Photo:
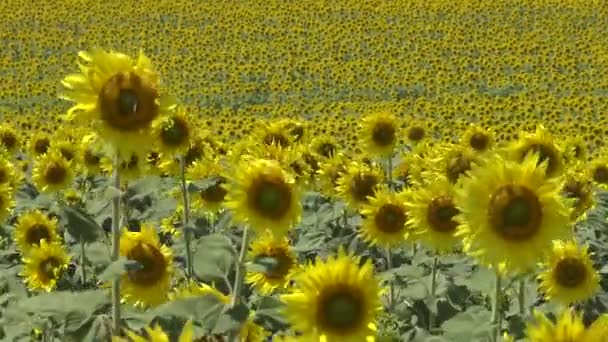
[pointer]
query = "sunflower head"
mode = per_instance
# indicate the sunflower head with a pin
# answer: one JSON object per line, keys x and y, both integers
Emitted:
{"x": 172, "y": 133}
{"x": 9, "y": 139}
{"x": 193, "y": 289}
{"x": 330, "y": 171}
{"x": 149, "y": 283}
{"x": 39, "y": 144}
{"x": 379, "y": 132}
{"x": 541, "y": 143}
{"x": 44, "y": 265}
{"x": 337, "y": 299}
{"x": 570, "y": 276}
{"x": 477, "y": 138}
{"x": 279, "y": 261}
{"x": 157, "y": 334}
{"x": 386, "y": 216}
{"x": 52, "y": 172}
{"x": 358, "y": 184}
{"x": 32, "y": 227}
{"x": 510, "y": 212}
{"x": 569, "y": 327}
{"x": 7, "y": 201}
{"x": 577, "y": 187}
{"x": 598, "y": 171}
{"x": 324, "y": 146}
{"x": 416, "y": 131}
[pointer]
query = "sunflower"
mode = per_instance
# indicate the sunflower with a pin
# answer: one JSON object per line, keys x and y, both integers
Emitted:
{"x": 416, "y": 131}
{"x": 358, "y": 183}
{"x": 131, "y": 168}
{"x": 273, "y": 133}
{"x": 598, "y": 171}
{"x": 252, "y": 332}
{"x": 38, "y": 144}
{"x": 118, "y": 96}
{"x": 172, "y": 133}
{"x": 379, "y": 133}
{"x": 324, "y": 146}
{"x": 157, "y": 334}
{"x": 575, "y": 149}
{"x": 510, "y": 212}
{"x": 8, "y": 176}
{"x": 477, "y": 138}
{"x": 542, "y": 143}
{"x": 570, "y": 276}
{"x": 197, "y": 150}
{"x": 568, "y": 328}
{"x": 432, "y": 215}
{"x": 68, "y": 149}
{"x": 52, "y": 172}
{"x": 335, "y": 300}
{"x": 408, "y": 169}
{"x": 385, "y": 218}
{"x": 32, "y": 227}
{"x": 7, "y": 202}
{"x": 44, "y": 265}
{"x": 193, "y": 289}
{"x": 330, "y": 171}
{"x": 91, "y": 154}
{"x": 9, "y": 139}
{"x": 149, "y": 284}
{"x": 277, "y": 255}
{"x": 263, "y": 195}
{"x": 298, "y": 130}
{"x": 578, "y": 188}
{"x": 210, "y": 199}
{"x": 451, "y": 161}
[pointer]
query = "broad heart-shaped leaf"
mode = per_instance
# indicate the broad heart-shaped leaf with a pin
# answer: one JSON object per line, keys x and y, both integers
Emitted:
{"x": 205, "y": 309}
{"x": 90, "y": 330}
{"x": 310, "y": 241}
{"x": 214, "y": 257}
{"x": 80, "y": 225}
{"x": 117, "y": 268}
{"x": 231, "y": 319}
{"x": 471, "y": 325}
{"x": 63, "y": 304}
{"x": 270, "y": 310}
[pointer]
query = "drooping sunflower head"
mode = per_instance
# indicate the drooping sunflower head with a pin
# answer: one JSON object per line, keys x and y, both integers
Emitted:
{"x": 324, "y": 146}
{"x": 433, "y": 212}
{"x": 569, "y": 276}
{"x": 32, "y": 227}
{"x": 386, "y": 218}
{"x": 44, "y": 265}
{"x": 454, "y": 162}
{"x": 265, "y": 196}
{"x": 477, "y": 138}
{"x": 7, "y": 201}
{"x": 575, "y": 149}
{"x": 569, "y": 327}
{"x": 298, "y": 130}
{"x": 510, "y": 212}
{"x": 118, "y": 95}
{"x": 52, "y": 172}
{"x": 273, "y": 133}
{"x": 578, "y": 188}
{"x": 277, "y": 263}
{"x": 380, "y": 133}
{"x": 358, "y": 184}
{"x": 210, "y": 199}
{"x": 335, "y": 300}
{"x": 172, "y": 133}
{"x": 147, "y": 284}
{"x": 541, "y": 143}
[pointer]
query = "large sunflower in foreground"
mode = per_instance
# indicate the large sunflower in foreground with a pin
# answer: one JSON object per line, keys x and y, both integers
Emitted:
{"x": 385, "y": 218}
{"x": 118, "y": 96}
{"x": 568, "y": 328}
{"x": 265, "y": 196}
{"x": 432, "y": 215}
{"x": 335, "y": 300}
{"x": 510, "y": 212}
{"x": 148, "y": 284}
{"x": 280, "y": 261}
{"x": 380, "y": 133}
{"x": 157, "y": 334}
{"x": 32, "y": 227}
{"x": 570, "y": 276}
{"x": 44, "y": 265}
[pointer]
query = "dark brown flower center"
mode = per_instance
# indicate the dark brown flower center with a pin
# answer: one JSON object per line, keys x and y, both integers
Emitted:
{"x": 326, "y": 149}
{"x": 415, "y": 133}
{"x": 277, "y": 139}
{"x": 49, "y": 269}
{"x": 390, "y": 218}
{"x": 600, "y": 174}
{"x": 384, "y": 134}
{"x": 457, "y": 167}
{"x": 340, "y": 309}
{"x": 128, "y": 102}
{"x": 41, "y": 145}
{"x": 545, "y": 153}
{"x": 152, "y": 264}
{"x": 55, "y": 173}
{"x": 270, "y": 196}
{"x": 9, "y": 140}
{"x": 363, "y": 186}
{"x": 214, "y": 193}
{"x": 91, "y": 158}
{"x": 37, "y": 232}
{"x": 515, "y": 213}
{"x": 175, "y": 132}
{"x": 479, "y": 141}
{"x": 278, "y": 262}
{"x": 440, "y": 214}
{"x": 570, "y": 272}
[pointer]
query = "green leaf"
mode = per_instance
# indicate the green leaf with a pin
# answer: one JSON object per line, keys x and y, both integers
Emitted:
{"x": 263, "y": 264}
{"x": 64, "y": 303}
{"x": 206, "y": 309}
{"x": 117, "y": 268}
{"x": 80, "y": 225}
{"x": 471, "y": 325}
{"x": 92, "y": 329}
{"x": 270, "y": 310}
{"x": 231, "y": 319}
{"x": 310, "y": 241}
{"x": 214, "y": 256}
{"x": 111, "y": 192}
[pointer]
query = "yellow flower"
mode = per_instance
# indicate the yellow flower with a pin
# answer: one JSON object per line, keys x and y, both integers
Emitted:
{"x": 570, "y": 276}
{"x": 578, "y": 188}
{"x": 281, "y": 263}
{"x": 193, "y": 289}
{"x": 335, "y": 300}
{"x": 263, "y": 195}
{"x": 432, "y": 215}
{"x": 542, "y": 143}
{"x": 210, "y": 199}
{"x": 32, "y": 227}
{"x": 118, "y": 96}
{"x": 568, "y": 328}
{"x": 330, "y": 170}
{"x": 172, "y": 134}
{"x": 7, "y": 202}
{"x": 9, "y": 140}
{"x": 358, "y": 184}
{"x": 44, "y": 265}
{"x": 379, "y": 133}
{"x": 385, "y": 218}
{"x": 251, "y": 332}
{"x": 477, "y": 138}
{"x": 598, "y": 171}
{"x": 157, "y": 334}
{"x": 510, "y": 212}
{"x": 52, "y": 172}
{"x": 149, "y": 284}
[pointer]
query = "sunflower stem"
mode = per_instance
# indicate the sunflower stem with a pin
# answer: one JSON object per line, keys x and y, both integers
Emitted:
{"x": 238, "y": 278}
{"x": 186, "y": 218}
{"x": 497, "y": 307}
{"x": 521, "y": 296}
{"x": 116, "y": 246}
{"x": 432, "y": 294}
{"x": 83, "y": 260}
{"x": 389, "y": 171}
{"x": 391, "y": 289}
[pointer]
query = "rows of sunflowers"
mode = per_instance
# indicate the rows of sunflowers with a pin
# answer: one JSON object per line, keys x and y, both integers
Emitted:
{"x": 366, "y": 170}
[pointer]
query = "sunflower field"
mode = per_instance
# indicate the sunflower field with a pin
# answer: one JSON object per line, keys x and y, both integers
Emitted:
{"x": 312, "y": 170}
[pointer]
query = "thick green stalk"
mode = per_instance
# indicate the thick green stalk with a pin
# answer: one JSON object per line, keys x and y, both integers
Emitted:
{"x": 497, "y": 307}
{"x": 433, "y": 291}
{"x": 239, "y": 278}
{"x": 83, "y": 261}
{"x": 521, "y": 296}
{"x": 116, "y": 246}
{"x": 391, "y": 288}
{"x": 186, "y": 218}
